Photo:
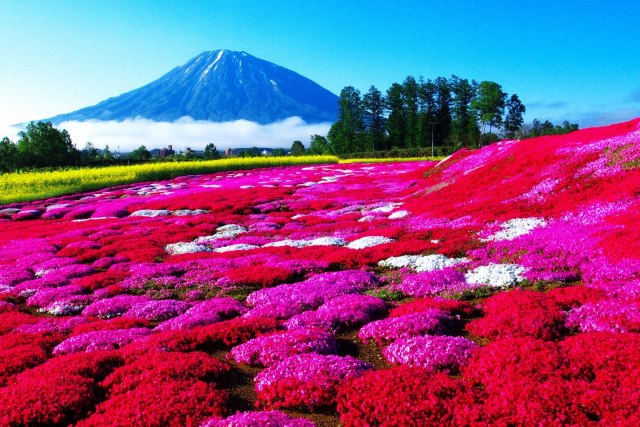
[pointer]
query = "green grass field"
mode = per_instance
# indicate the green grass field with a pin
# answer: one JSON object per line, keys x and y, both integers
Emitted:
{"x": 20, "y": 187}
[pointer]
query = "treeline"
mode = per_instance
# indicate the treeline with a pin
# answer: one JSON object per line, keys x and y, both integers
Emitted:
{"x": 444, "y": 113}
{"x": 42, "y": 145}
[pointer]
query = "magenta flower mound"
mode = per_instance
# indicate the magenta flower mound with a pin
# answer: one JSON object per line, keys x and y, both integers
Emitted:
{"x": 309, "y": 379}
{"x": 431, "y": 321}
{"x": 269, "y": 349}
{"x": 605, "y": 316}
{"x": 285, "y": 301}
{"x": 258, "y": 419}
{"x": 340, "y": 313}
{"x": 205, "y": 313}
{"x": 112, "y": 307}
{"x": 157, "y": 311}
{"x": 437, "y": 282}
{"x": 100, "y": 340}
{"x": 435, "y": 353}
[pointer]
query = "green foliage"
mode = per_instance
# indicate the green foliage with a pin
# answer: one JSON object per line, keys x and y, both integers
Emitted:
{"x": 140, "y": 154}
{"x": 397, "y": 118}
{"x": 538, "y": 128}
{"x": 279, "y": 152}
{"x": 347, "y": 133}
{"x": 89, "y": 154}
{"x": 374, "y": 105}
{"x": 297, "y": 148}
{"x": 211, "y": 152}
{"x": 8, "y": 155}
{"x": 490, "y": 103}
{"x": 513, "y": 121}
{"x": 318, "y": 145}
{"x": 42, "y": 145}
{"x": 386, "y": 294}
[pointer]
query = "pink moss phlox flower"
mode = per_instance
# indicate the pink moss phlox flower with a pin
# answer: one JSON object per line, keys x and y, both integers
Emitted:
{"x": 285, "y": 301}
{"x": 205, "y": 313}
{"x": 343, "y": 312}
{"x": 112, "y": 307}
{"x": 430, "y": 321}
{"x": 609, "y": 315}
{"x": 435, "y": 353}
{"x": 156, "y": 311}
{"x": 447, "y": 281}
{"x": 269, "y": 349}
{"x": 258, "y": 419}
{"x": 100, "y": 340}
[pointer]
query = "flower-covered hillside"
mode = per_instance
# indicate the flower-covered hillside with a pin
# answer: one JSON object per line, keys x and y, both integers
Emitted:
{"x": 499, "y": 286}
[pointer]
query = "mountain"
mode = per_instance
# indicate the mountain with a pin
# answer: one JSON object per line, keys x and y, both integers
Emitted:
{"x": 219, "y": 86}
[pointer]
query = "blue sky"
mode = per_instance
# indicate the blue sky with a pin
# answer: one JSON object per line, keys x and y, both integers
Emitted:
{"x": 577, "y": 60}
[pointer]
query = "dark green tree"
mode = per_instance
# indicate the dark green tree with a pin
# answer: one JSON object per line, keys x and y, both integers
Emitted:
{"x": 396, "y": 122}
{"x": 42, "y": 145}
{"x": 374, "y": 106}
{"x": 140, "y": 154}
{"x": 297, "y": 148}
{"x": 318, "y": 145}
{"x": 426, "y": 112}
{"x": 89, "y": 154}
{"x": 346, "y": 135}
{"x": 211, "y": 152}
{"x": 569, "y": 127}
{"x": 252, "y": 152}
{"x": 8, "y": 155}
{"x": 107, "y": 156}
{"x": 513, "y": 121}
{"x": 490, "y": 103}
{"x": 443, "y": 101}
{"x": 279, "y": 152}
{"x": 463, "y": 125}
{"x": 410, "y": 106}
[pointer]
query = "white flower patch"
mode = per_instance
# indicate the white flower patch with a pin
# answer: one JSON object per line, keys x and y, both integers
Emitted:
{"x": 369, "y": 241}
{"x": 58, "y": 206}
{"x": 236, "y": 247}
{"x": 288, "y": 242}
{"x": 189, "y": 212}
{"x": 327, "y": 241}
{"x": 228, "y": 231}
{"x": 386, "y": 208}
{"x": 307, "y": 184}
{"x": 399, "y": 214}
{"x": 181, "y": 248}
{"x": 40, "y": 273}
{"x": 496, "y": 275}
{"x": 59, "y": 308}
{"x": 515, "y": 228}
{"x": 151, "y": 212}
{"x": 421, "y": 263}
{"x": 368, "y": 218}
{"x": 399, "y": 261}
{"x": 320, "y": 241}
{"x": 435, "y": 262}
{"x": 244, "y": 187}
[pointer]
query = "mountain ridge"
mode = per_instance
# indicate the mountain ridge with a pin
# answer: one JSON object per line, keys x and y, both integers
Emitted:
{"x": 219, "y": 86}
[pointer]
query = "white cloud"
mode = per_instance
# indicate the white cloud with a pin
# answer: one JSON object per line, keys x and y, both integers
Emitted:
{"x": 9, "y": 131}
{"x": 187, "y": 132}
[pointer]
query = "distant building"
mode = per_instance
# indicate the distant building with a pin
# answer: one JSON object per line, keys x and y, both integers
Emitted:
{"x": 166, "y": 152}
{"x": 229, "y": 152}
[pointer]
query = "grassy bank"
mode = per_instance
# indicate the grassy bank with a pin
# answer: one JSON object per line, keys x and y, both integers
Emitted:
{"x": 20, "y": 187}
